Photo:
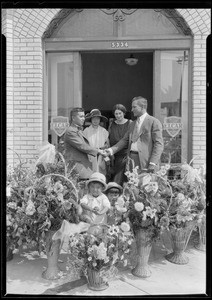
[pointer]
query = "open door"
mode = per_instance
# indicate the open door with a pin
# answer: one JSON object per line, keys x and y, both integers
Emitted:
{"x": 108, "y": 80}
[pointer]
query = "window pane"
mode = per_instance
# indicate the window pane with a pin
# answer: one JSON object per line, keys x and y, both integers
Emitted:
{"x": 61, "y": 91}
{"x": 173, "y": 104}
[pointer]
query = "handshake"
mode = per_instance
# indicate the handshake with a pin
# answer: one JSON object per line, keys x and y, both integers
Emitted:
{"x": 104, "y": 152}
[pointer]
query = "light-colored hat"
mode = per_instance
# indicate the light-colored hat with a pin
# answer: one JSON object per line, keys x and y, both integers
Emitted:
{"x": 112, "y": 185}
{"x": 95, "y": 113}
{"x": 98, "y": 177}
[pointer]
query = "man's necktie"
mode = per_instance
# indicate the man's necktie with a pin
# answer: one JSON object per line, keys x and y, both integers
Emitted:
{"x": 136, "y": 131}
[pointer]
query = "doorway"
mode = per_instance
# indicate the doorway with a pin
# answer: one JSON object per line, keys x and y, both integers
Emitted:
{"x": 107, "y": 80}
{"x": 103, "y": 79}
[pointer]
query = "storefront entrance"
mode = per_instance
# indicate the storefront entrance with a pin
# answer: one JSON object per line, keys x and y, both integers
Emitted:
{"x": 85, "y": 67}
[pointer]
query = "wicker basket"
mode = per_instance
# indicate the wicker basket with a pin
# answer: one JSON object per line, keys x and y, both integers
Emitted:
{"x": 95, "y": 281}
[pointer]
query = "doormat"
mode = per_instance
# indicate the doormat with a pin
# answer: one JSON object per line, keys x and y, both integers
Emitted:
{"x": 66, "y": 287}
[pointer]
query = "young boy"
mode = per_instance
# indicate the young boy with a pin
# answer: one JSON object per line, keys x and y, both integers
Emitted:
{"x": 95, "y": 204}
{"x": 113, "y": 191}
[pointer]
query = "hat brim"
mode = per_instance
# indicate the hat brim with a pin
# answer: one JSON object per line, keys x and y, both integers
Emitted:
{"x": 118, "y": 187}
{"x": 96, "y": 180}
{"x": 101, "y": 117}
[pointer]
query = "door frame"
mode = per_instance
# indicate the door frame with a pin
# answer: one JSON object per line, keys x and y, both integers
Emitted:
{"x": 117, "y": 44}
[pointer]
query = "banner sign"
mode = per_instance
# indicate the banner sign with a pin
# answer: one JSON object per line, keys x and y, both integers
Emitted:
{"x": 173, "y": 125}
{"x": 59, "y": 124}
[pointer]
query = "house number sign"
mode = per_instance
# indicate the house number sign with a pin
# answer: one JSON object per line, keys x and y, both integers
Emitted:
{"x": 119, "y": 45}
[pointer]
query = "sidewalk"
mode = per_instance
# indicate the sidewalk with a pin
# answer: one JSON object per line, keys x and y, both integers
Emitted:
{"x": 24, "y": 276}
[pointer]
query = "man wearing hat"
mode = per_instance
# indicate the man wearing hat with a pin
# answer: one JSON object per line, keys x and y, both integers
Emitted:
{"x": 97, "y": 137}
{"x": 77, "y": 146}
{"x": 95, "y": 204}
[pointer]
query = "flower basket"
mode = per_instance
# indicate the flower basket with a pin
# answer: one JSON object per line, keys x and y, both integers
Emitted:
{"x": 19, "y": 178}
{"x": 41, "y": 196}
{"x": 95, "y": 281}
{"x": 180, "y": 238}
{"x": 202, "y": 235}
{"x": 144, "y": 246}
{"x": 147, "y": 207}
{"x": 98, "y": 252}
{"x": 53, "y": 247}
{"x": 186, "y": 209}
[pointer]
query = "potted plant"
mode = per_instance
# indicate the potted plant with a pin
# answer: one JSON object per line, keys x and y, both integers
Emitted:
{"x": 97, "y": 254}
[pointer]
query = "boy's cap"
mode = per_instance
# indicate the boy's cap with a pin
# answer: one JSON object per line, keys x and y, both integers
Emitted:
{"x": 113, "y": 185}
{"x": 98, "y": 177}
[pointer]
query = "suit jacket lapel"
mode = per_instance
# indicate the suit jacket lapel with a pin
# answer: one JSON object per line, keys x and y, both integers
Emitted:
{"x": 141, "y": 129}
{"x": 132, "y": 129}
{"x": 143, "y": 124}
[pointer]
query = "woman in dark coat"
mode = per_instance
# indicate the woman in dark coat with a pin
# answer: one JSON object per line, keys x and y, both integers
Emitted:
{"x": 117, "y": 129}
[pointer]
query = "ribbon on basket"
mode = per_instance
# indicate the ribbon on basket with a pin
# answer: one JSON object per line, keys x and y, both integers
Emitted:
{"x": 46, "y": 153}
{"x": 67, "y": 229}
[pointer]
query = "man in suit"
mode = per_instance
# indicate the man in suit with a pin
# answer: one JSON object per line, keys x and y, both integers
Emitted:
{"x": 77, "y": 146}
{"x": 144, "y": 138}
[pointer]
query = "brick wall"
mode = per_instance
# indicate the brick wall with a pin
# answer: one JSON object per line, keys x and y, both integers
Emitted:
{"x": 25, "y": 63}
{"x": 24, "y": 29}
{"x": 7, "y": 30}
{"x": 199, "y": 98}
{"x": 199, "y": 20}
{"x": 28, "y": 100}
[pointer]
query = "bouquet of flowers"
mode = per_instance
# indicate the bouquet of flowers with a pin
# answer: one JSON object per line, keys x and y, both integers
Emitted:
{"x": 18, "y": 180}
{"x": 188, "y": 196}
{"x": 185, "y": 210}
{"x": 100, "y": 252}
{"x": 145, "y": 201}
{"x": 38, "y": 200}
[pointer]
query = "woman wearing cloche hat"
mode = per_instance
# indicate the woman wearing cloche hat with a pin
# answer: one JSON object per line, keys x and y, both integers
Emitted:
{"x": 95, "y": 204}
{"x": 97, "y": 137}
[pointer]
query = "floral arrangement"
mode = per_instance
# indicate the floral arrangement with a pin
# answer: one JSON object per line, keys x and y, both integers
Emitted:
{"x": 188, "y": 196}
{"x": 146, "y": 206}
{"x": 18, "y": 179}
{"x": 155, "y": 201}
{"x": 102, "y": 251}
{"x": 39, "y": 198}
